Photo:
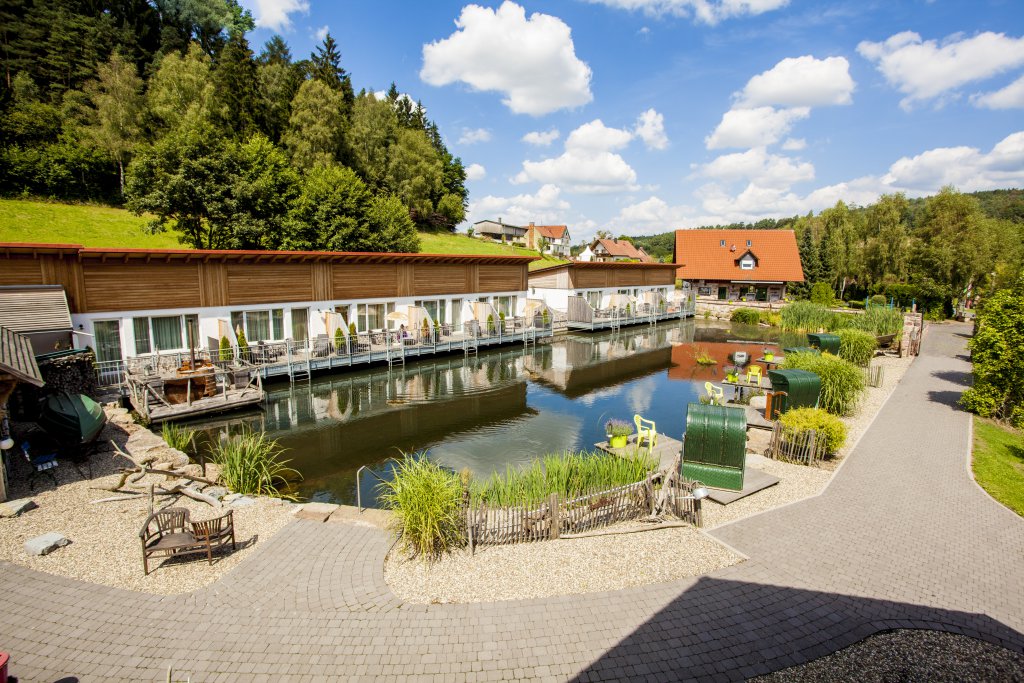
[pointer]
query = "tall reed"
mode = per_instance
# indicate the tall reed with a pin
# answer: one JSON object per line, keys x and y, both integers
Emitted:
{"x": 857, "y": 346}
{"x": 804, "y": 316}
{"x": 426, "y": 501}
{"x": 251, "y": 463}
{"x": 842, "y": 382}
{"x": 178, "y": 437}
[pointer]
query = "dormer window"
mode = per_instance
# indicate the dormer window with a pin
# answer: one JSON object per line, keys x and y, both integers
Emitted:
{"x": 747, "y": 262}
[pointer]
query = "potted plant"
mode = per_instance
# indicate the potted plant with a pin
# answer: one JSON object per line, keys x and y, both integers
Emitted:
{"x": 243, "y": 345}
{"x": 769, "y": 355}
{"x": 339, "y": 339}
{"x": 425, "y": 330}
{"x": 490, "y": 323}
{"x": 618, "y": 432}
{"x": 225, "y": 348}
{"x": 501, "y": 317}
{"x": 544, "y": 317}
{"x": 351, "y": 329}
{"x": 732, "y": 374}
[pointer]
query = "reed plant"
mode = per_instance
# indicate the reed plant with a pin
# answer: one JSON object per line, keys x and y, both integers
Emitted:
{"x": 178, "y": 437}
{"x": 702, "y": 357}
{"x": 805, "y": 316}
{"x": 568, "y": 474}
{"x": 746, "y": 316}
{"x": 880, "y": 321}
{"x": 426, "y": 501}
{"x": 250, "y": 463}
{"x": 857, "y": 346}
{"x": 842, "y": 382}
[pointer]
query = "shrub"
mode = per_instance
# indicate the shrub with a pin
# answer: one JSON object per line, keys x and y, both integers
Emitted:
{"x": 747, "y": 316}
{"x": 841, "y": 381}
{"x": 251, "y": 463}
{"x": 855, "y": 304}
{"x": 567, "y": 474}
{"x": 545, "y": 318}
{"x": 829, "y": 427}
{"x": 771, "y": 318}
{"x": 618, "y": 428}
{"x": 998, "y": 389}
{"x": 426, "y": 501}
{"x": 339, "y": 339}
{"x": 243, "y": 344}
{"x": 225, "y": 348}
{"x": 805, "y": 316}
{"x": 878, "y": 300}
{"x": 180, "y": 438}
{"x": 857, "y": 346}
{"x": 822, "y": 294}
{"x": 490, "y": 322}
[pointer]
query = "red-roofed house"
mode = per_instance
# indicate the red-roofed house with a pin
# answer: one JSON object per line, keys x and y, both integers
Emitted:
{"x": 738, "y": 265}
{"x": 556, "y": 239}
{"x": 614, "y": 250}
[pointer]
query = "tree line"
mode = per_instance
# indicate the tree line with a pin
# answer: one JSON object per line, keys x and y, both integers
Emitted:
{"x": 935, "y": 251}
{"x": 163, "y": 106}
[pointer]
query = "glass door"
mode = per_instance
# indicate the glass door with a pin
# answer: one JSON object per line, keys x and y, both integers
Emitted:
{"x": 108, "y": 340}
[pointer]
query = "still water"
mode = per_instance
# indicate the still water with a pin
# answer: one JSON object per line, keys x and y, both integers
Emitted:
{"x": 503, "y": 407}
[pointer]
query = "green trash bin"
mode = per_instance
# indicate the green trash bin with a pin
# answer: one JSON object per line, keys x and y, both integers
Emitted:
{"x": 715, "y": 445}
{"x": 825, "y": 342}
{"x": 801, "y": 386}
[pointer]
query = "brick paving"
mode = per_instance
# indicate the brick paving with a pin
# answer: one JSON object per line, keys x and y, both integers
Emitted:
{"x": 901, "y": 539}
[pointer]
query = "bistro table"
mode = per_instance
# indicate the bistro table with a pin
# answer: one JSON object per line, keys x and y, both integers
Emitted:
{"x": 779, "y": 360}
{"x": 742, "y": 384}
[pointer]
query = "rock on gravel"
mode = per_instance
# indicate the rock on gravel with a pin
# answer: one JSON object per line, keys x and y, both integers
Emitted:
{"x": 45, "y": 544}
{"x": 910, "y": 655}
{"x": 13, "y": 508}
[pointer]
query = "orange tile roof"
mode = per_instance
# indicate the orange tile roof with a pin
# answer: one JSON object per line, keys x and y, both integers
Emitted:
{"x": 624, "y": 249}
{"x": 701, "y": 256}
{"x": 551, "y": 232}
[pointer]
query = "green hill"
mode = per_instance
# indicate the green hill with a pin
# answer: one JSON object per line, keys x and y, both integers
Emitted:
{"x": 23, "y": 220}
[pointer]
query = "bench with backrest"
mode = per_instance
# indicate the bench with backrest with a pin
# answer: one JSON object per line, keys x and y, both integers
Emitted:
{"x": 169, "y": 532}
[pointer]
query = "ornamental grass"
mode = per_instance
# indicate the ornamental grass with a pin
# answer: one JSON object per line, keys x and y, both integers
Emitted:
{"x": 250, "y": 463}
{"x": 857, "y": 346}
{"x": 426, "y": 500}
{"x": 842, "y": 382}
{"x": 797, "y": 422}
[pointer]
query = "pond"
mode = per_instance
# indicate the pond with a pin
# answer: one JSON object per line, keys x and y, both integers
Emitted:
{"x": 503, "y": 407}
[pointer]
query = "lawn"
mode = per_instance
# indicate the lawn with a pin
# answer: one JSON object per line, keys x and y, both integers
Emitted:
{"x": 23, "y": 220}
{"x": 91, "y": 226}
{"x": 999, "y": 463}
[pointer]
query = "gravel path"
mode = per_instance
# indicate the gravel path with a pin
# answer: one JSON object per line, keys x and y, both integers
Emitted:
{"x": 909, "y": 655}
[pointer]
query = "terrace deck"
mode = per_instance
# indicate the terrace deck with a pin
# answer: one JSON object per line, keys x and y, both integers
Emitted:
{"x": 615, "y": 323}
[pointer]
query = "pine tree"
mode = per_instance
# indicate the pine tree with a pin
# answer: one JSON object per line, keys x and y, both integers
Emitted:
{"x": 235, "y": 83}
{"x": 327, "y": 68}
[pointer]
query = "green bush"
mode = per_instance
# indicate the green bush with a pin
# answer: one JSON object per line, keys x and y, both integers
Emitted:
{"x": 856, "y": 305}
{"x": 857, "y": 346}
{"x": 822, "y": 294}
{"x": 841, "y": 381}
{"x": 771, "y": 318}
{"x": 568, "y": 474}
{"x": 339, "y": 338}
{"x": 829, "y": 427}
{"x": 351, "y": 329}
{"x": 998, "y": 389}
{"x": 747, "y": 316}
{"x": 251, "y": 463}
{"x": 243, "y": 345}
{"x": 225, "y": 349}
{"x": 490, "y": 322}
{"x": 878, "y": 300}
{"x": 180, "y": 438}
{"x": 426, "y": 501}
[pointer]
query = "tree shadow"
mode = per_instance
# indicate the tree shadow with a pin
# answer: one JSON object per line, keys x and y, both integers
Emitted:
{"x": 949, "y": 398}
{"x": 733, "y": 630}
{"x": 965, "y": 357}
{"x": 955, "y": 376}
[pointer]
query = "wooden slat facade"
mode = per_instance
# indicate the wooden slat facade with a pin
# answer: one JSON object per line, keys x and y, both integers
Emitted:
{"x": 98, "y": 281}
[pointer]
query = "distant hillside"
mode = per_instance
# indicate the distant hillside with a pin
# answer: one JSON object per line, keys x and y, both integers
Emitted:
{"x": 41, "y": 222}
{"x": 1007, "y": 204}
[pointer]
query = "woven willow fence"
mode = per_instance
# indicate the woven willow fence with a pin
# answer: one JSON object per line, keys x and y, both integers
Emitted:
{"x": 803, "y": 447}
{"x": 556, "y": 517}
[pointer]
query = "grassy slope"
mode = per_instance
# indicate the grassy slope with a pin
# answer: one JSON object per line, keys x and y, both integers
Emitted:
{"x": 98, "y": 226}
{"x": 999, "y": 463}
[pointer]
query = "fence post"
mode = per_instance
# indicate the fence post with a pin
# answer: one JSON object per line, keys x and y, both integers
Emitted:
{"x": 469, "y": 528}
{"x": 555, "y": 513}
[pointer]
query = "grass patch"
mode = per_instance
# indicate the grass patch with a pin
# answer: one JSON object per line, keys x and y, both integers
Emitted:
{"x": 426, "y": 500}
{"x": 180, "y": 438}
{"x": 568, "y": 474}
{"x": 23, "y": 220}
{"x": 998, "y": 463}
{"x": 806, "y": 316}
{"x": 448, "y": 243}
{"x": 250, "y": 463}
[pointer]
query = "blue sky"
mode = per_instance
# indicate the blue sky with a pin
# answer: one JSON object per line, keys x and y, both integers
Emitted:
{"x": 642, "y": 116}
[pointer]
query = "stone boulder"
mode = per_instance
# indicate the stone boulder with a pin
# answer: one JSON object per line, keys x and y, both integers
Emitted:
{"x": 45, "y": 544}
{"x": 13, "y": 508}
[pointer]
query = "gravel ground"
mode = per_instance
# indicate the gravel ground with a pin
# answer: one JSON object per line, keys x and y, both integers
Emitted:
{"x": 909, "y": 655}
{"x": 104, "y": 537}
{"x": 562, "y": 567}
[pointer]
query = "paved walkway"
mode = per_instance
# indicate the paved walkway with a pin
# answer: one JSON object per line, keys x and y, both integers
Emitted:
{"x": 902, "y": 538}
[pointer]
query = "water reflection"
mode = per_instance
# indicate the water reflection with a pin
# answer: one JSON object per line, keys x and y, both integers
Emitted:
{"x": 484, "y": 413}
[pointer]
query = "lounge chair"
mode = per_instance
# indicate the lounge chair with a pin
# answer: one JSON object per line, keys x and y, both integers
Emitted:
{"x": 647, "y": 431}
{"x": 715, "y": 393}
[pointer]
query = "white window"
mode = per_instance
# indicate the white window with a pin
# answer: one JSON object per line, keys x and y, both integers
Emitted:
{"x": 165, "y": 333}
{"x": 437, "y": 309}
{"x": 747, "y": 263}
{"x": 505, "y": 304}
{"x": 265, "y": 325}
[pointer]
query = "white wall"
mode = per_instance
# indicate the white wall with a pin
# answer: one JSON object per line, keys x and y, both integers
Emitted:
{"x": 559, "y": 298}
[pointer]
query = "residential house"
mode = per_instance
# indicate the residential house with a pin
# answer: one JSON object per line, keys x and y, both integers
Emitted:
{"x": 738, "y": 265}
{"x": 500, "y": 231}
{"x": 555, "y": 239}
{"x": 610, "y": 250}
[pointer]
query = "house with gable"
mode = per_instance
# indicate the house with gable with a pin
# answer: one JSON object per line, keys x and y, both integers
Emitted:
{"x": 555, "y": 239}
{"x": 611, "y": 250}
{"x": 738, "y": 265}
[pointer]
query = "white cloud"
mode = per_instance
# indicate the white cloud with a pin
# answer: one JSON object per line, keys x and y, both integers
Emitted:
{"x": 471, "y": 136}
{"x": 475, "y": 172}
{"x": 757, "y": 166}
{"x": 924, "y": 69}
{"x": 588, "y": 164}
{"x": 706, "y": 11}
{"x": 546, "y": 205}
{"x": 650, "y": 127}
{"x": 794, "y": 144}
{"x": 322, "y": 32}
{"x": 967, "y": 168}
{"x": 1010, "y": 97}
{"x": 531, "y": 61}
{"x": 276, "y": 14}
{"x": 756, "y": 127}
{"x": 541, "y": 139}
{"x": 801, "y": 82}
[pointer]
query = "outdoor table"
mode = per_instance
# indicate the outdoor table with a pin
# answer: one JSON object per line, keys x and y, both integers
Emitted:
{"x": 779, "y": 360}
{"x": 741, "y": 385}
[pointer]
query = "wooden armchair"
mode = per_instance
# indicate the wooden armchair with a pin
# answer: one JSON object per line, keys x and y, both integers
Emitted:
{"x": 169, "y": 532}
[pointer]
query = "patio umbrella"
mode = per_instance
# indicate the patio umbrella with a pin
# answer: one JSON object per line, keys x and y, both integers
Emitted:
{"x": 398, "y": 315}
{"x": 619, "y": 300}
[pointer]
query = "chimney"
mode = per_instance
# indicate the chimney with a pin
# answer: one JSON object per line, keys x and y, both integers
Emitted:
{"x": 499, "y": 221}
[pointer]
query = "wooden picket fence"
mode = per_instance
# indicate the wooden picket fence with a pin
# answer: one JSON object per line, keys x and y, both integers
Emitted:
{"x": 803, "y": 447}
{"x": 555, "y": 517}
{"x": 875, "y": 375}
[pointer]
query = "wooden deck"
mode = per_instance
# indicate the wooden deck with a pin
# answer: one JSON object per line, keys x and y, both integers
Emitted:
{"x": 665, "y": 450}
{"x": 206, "y": 406}
{"x": 616, "y": 323}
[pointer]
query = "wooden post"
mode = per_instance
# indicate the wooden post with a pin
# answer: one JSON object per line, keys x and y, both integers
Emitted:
{"x": 554, "y": 511}
{"x": 469, "y": 528}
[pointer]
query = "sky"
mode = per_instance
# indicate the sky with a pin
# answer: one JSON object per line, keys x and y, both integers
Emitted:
{"x": 644, "y": 116}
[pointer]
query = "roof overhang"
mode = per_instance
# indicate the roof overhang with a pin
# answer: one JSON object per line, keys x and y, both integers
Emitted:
{"x": 17, "y": 358}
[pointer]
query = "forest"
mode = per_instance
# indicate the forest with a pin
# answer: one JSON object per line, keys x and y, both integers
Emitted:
{"x": 934, "y": 251}
{"x": 163, "y": 107}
